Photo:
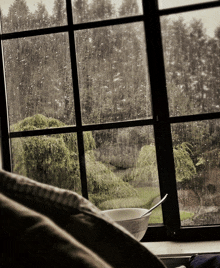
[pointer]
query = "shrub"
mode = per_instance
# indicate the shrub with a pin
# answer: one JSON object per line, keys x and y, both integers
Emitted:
{"x": 147, "y": 164}
{"x": 103, "y": 184}
{"x": 51, "y": 159}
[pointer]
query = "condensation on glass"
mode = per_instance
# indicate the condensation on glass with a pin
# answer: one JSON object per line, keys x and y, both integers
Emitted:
{"x": 197, "y": 163}
{"x": 38, "y": 80}
{"x": 24, "y": 15}
{"x": 50, "y": 159}
{"x": 121, "y": 169}
{"x": 178, "y": 3}
{"x": 191, "y": 43}
{"x": 87, "y": 11}
{"x": 113, "y": 74}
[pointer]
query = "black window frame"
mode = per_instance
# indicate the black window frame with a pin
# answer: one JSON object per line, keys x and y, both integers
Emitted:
{"x": 161, "y": 121}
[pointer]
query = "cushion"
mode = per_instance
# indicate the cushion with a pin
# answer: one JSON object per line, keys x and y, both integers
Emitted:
{"x": 29, "y": 239}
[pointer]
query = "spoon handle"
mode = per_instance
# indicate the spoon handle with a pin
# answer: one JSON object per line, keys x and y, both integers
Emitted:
{"x": 160, "y": 202}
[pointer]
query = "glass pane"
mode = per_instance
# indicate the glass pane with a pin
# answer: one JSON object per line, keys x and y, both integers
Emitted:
{"x": 177, "y": 3}
{"x": 113, "y": 74}
{"x": 122, "y": 170}
{"x": 48, "y": 159}
{"x": 197, "y": 161}
{"x": 38, "y": 79}
{"x": 192, "y": 61}
{"x": 85, "y": 11}
{"x": 20, "y": 15}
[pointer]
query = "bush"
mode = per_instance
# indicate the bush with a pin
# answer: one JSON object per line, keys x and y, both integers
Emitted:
{"x": 51, "y": 159}
{"x": 146, "y": 167}
{"x": 120, "y": 156}
{"x": 103, "y": 184}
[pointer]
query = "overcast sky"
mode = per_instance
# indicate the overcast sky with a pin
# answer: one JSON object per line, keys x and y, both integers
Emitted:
{"x": 210, "y": 17}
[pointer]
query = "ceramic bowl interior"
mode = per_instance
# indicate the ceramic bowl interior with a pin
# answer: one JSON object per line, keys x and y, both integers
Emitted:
{"x": 130, "y": 219}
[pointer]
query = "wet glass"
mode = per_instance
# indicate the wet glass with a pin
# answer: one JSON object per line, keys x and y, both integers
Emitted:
{"x": 22, "y": 15}
{"x": 113, "y": 74}
{"x": 178, "y": 3}
{"x": 197, "y": 163}
{"x": 192, "y": 61}
{"x": 38, "y": 80}
{"x": 87, "y": 11}
{"x": 50, "y": 159}
{"x": 122, "y": 170}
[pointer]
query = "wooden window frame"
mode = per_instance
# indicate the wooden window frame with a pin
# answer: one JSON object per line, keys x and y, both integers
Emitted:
{"x": 161, "y": 121}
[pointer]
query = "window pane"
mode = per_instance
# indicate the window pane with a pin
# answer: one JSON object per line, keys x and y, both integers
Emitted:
{"x": 48, "y": 159}
{"x": 28, "y": 14}
{"x": 38, "y": 78}
{"x": 113, "y": 74}
{"x": 122, "y": 170}
{"x": 197, "y": 161}
{"x": 85, "y": 11}
{"x": 174, "y": 3}
{"x": 192, "y": 61}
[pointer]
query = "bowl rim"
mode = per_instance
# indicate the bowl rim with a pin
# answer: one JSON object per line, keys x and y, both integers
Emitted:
{"x": 134, "y": 219}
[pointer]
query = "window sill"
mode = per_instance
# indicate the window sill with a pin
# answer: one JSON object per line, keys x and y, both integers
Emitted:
{"x": 174, "y": 254}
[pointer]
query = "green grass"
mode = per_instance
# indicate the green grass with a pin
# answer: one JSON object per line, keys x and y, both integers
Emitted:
{"x": 146, "y": 196}
{"x": 122, "y": 203}
{"x": 156, "y": 216}
{"x": 184, "y": 215}
{"x": 144, "y": 199}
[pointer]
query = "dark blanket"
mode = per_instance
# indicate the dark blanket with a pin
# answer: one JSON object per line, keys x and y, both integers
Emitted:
{"x": 205, "y": 261}
{"x": 44, "y": 226}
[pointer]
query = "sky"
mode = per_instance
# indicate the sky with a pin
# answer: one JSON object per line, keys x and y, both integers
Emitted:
{"x": 209, "y": 17}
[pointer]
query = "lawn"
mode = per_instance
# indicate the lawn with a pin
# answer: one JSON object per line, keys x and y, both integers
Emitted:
{"x": 145, "y": 199}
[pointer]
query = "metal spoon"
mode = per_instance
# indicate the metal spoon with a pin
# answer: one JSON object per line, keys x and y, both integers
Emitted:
{"x": 160, "y": 202}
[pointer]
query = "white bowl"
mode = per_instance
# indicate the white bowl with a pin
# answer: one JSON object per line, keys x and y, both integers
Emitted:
{"x": 130, "y": 219}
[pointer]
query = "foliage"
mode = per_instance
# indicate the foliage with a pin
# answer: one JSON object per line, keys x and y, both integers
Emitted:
{"x": 122, "y": 157}
{"x": 185, "y": 168}
{"x": 122, "y": 152}
{"x": 51, "y": 159}
{"x": 103, "y": 184}
{"x": 147, "y": 164}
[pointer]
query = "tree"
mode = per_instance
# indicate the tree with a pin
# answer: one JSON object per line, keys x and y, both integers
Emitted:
{"x": 128, "y": 8}
{"x": 103, "y": 184}
{"x": 59, "y": 13}
{"x": 101, "y": 9}
{"x": 18, "y": 16}
{"x": 81, "y": 11}
{"x": 146, "y": 166}
{"x": 40, "y": 18}
{"x": 51, "y": 159}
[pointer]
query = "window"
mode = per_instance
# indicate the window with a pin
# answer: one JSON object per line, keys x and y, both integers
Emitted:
{"x": 118, "y": 101}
